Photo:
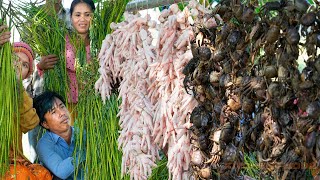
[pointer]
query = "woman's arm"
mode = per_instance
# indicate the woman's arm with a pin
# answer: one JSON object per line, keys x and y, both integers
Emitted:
{"x": 28, "y": 115}
{"x": 4, "y": 34}
{"x": 46, "y": 63}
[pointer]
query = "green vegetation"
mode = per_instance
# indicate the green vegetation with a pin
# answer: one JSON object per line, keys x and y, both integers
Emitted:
{"x": 9, "y": 101}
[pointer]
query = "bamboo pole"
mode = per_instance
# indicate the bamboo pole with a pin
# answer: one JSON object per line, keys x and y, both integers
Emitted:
{"x": 148, "y": 4}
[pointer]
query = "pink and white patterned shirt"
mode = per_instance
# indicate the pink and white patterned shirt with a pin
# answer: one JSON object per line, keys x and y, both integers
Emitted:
{"x": 70, "y": 62}
{"x": 70, "y": 58}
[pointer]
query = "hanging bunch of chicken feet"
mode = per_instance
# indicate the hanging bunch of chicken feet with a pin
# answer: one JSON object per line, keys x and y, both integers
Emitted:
{"x": 253, "y": 95}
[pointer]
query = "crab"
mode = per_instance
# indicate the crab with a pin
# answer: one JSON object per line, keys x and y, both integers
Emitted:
{"x": 253, "y": 85}
{"x": 278, "y": 149}
{"x": 300, "y": 148}
{"x": 188, "y": 72}
{"x": 202, "y": 173}
{"x": 207, "y": 34}
{"x": 216, "y": 150}
{"x": 272, "y": 6}
{"x": 199, "y": 39}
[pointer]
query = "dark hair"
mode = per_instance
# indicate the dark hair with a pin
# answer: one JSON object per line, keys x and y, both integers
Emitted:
{"x": 45, "y": 102}
{"x": 90, "y": 3}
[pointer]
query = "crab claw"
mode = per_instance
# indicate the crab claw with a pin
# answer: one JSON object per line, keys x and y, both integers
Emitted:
{"x": 199, "y": 39}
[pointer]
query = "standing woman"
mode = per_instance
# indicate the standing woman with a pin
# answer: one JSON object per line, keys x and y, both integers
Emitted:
{"x": 81, "y": 13}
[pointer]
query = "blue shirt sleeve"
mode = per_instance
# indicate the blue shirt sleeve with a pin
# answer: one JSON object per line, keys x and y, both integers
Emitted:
{"x": 62, "y": 168}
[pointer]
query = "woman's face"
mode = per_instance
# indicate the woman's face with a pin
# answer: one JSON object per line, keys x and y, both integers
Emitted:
{"x": 22, "y": 65}
{"x": 81, "y": 18}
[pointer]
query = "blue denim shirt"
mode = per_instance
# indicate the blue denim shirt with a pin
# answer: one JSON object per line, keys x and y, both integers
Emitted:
{"x": 56, "y": 155}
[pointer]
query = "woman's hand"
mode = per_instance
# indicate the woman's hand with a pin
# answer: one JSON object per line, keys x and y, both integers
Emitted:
{"x": 48, "y": 62}
{"x": 4, "y": 34}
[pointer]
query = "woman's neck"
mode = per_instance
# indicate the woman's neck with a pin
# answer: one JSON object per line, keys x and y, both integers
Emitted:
{"x": 85, "y": 38}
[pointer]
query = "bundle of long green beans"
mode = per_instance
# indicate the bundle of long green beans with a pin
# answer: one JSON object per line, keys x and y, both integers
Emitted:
{"x": 45, "y": 33}
{"x": 9, "y": 103}
{"x": 97, "y": 120}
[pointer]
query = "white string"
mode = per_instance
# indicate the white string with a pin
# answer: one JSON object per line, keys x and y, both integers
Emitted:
{"x": 147, "y": 9}
{"x": 136, "y": 5}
